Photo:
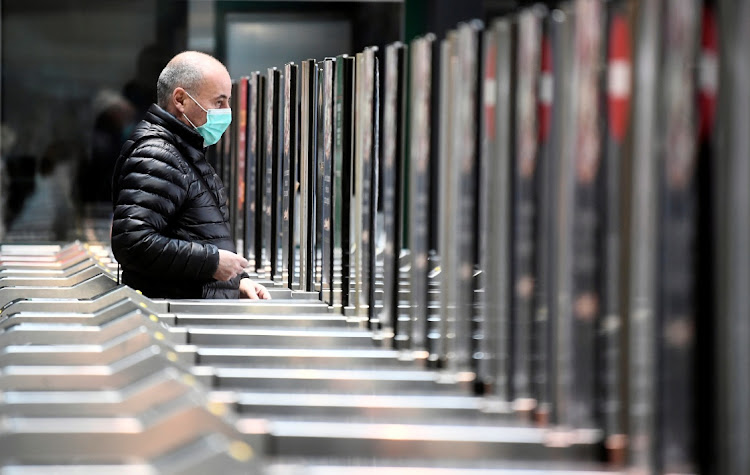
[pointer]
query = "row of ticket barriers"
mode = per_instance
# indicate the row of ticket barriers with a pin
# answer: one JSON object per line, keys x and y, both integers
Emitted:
{"x": 537, "y": 205}
{"x": 96, "y": 378}
{"x": 520, "y": 248}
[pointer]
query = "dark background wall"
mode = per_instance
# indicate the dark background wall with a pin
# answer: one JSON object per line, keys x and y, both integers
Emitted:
{"x": 76, "y": 74}
{"x": 57, "y": 55}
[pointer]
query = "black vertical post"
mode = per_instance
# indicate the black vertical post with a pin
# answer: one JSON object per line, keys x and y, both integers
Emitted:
{"x": 393, "y": 156}
{"x": 343, "y": 156}
{"x": 290, "y": 177}
{"x": 326, "y": 274}
{"x": 260, "y": 171}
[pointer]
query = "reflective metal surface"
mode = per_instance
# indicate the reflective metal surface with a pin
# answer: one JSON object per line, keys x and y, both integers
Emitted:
{"x": 523, "y": 292}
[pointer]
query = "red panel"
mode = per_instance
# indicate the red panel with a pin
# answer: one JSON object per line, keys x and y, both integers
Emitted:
{"x": 619, "y": 77}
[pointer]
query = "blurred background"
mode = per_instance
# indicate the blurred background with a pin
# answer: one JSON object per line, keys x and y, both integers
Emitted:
{"x": 78, "y": 74}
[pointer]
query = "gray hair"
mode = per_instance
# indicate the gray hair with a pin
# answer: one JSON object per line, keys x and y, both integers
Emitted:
{"x": 178, "y": 73}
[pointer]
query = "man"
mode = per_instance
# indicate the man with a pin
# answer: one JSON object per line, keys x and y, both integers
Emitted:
{"x": 170, "y": 230}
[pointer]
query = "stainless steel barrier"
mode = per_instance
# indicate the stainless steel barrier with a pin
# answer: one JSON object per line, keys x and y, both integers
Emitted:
{"x": 125, "y": 370}
{"x": 109, "y": 388}
{"x": 518, "y": 292}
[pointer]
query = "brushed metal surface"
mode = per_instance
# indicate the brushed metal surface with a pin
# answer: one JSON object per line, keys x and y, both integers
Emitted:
{"x": 87, "y": 289}
{"x": 265, "y": 337}
{"x": 327, "y": 380}
{"x": 256, "y": 307}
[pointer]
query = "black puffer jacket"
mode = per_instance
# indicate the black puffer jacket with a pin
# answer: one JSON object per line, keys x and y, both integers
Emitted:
{"x": 168, "y": 224}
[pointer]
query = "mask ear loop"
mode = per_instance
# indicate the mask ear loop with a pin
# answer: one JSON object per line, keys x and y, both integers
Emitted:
{"x": 199, "y": 105}
{"x": 188, "y": 119}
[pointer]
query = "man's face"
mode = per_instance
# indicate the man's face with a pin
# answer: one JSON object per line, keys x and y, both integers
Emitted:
{"x": 214, "y": 93}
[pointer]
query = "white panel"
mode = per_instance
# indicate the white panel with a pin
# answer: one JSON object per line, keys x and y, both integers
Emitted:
{"x": 257, "y": 42}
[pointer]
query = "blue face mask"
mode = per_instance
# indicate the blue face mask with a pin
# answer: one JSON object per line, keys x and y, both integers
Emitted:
{"x": 217, "y": 121}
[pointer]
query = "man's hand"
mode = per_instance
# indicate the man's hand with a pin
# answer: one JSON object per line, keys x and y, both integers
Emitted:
{"x": 249, "y": 289}
{"x": 230, "y": 265}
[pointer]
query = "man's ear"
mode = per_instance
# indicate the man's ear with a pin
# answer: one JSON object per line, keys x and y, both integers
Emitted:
{"x": 178, "y": 99}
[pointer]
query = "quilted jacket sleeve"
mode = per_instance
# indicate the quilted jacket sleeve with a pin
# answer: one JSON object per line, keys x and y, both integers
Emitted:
{"x": 151, "y": 187}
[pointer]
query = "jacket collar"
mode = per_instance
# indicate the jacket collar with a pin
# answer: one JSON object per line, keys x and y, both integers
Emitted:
{"x": 157, "y": 115}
